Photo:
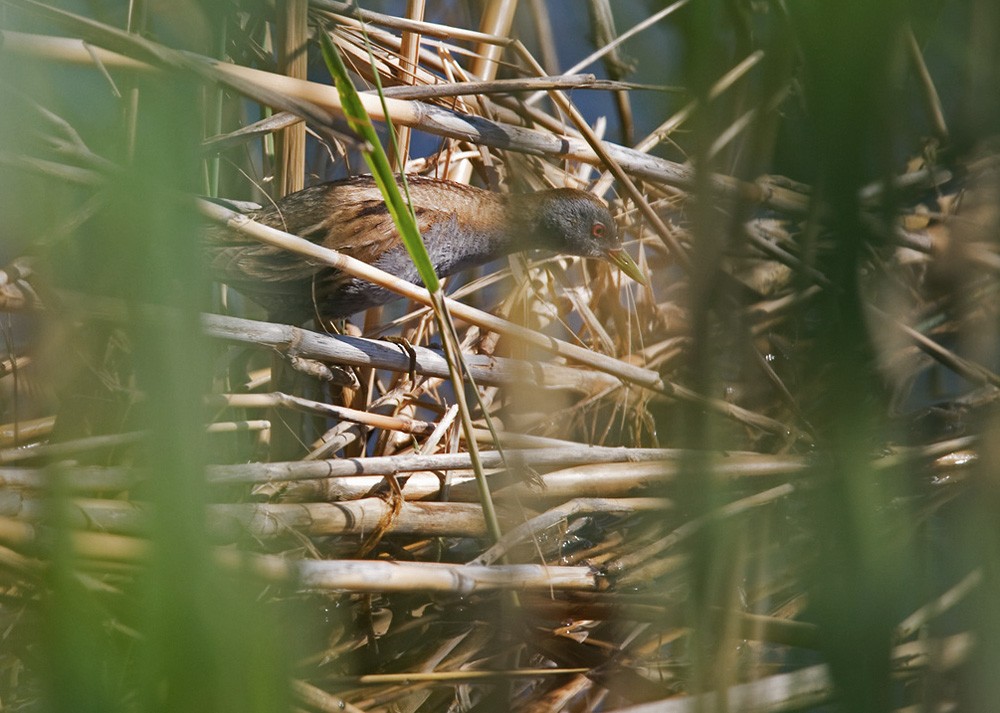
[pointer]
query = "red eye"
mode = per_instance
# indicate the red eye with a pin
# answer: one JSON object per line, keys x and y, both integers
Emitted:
{"x": 597, "y": 230}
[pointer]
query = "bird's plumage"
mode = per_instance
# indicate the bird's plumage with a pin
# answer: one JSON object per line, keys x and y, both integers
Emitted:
{"x": 461, "y": 226}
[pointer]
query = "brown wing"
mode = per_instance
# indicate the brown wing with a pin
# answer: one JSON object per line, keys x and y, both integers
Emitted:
{"x": 357, "y": 223}
{"x": 366, "y": 231}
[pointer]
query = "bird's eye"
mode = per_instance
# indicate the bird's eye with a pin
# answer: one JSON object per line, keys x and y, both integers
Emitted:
{"x": 598, "y": 230}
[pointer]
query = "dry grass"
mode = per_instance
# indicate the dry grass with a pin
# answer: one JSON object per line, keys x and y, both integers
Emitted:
{"x": 767, "y": 477}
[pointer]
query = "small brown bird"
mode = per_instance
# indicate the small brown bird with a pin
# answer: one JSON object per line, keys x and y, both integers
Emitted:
{"x": 462, "y": 227}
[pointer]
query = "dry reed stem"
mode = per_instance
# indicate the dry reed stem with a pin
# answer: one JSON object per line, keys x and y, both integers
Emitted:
{"x": 429, "y": 118}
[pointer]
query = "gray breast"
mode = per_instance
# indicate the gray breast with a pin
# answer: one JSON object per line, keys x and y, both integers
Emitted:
{"x": 451, "y": 249}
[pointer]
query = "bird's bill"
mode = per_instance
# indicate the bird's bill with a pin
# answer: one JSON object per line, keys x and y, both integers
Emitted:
{"x": 627, "y": 265}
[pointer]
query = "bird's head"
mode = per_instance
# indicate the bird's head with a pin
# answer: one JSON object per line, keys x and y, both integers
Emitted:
{"x": 575, "y": 222}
